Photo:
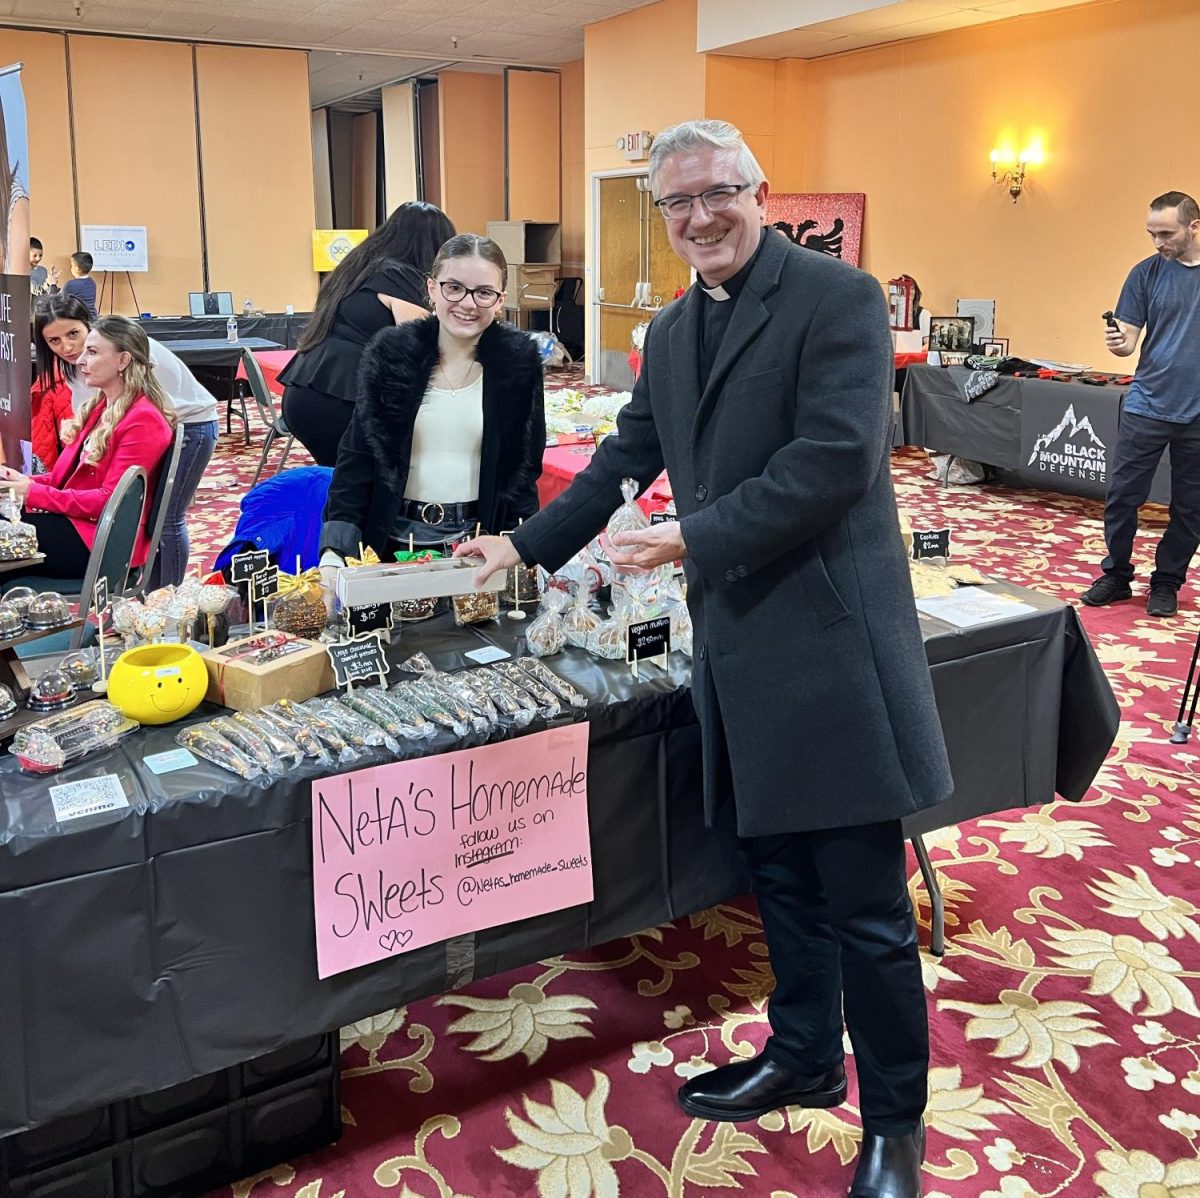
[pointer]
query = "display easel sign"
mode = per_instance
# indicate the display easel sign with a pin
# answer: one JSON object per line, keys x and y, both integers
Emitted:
{"x": 359, "y": 660}
{"x": 415, "y": 852}
{"x": 648, "y": 639}
{"x": 100, "y": 601}
{"x": 242, "y": 568}
{"x": 930, "y": 542}
{"x": 362, "y": 621}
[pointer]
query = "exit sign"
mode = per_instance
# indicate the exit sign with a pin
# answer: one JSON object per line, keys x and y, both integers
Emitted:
{"x": 635, "y": 145}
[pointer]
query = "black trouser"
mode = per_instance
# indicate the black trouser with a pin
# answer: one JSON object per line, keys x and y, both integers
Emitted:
{"x": 317, "y": 421}
{"x": 66, "y": 552}
{"x": 841, "y": 935}
{"x": 1140, "y": 445}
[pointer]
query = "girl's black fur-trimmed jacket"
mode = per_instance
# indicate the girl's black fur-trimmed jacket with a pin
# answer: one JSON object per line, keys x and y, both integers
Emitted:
{"x": 373, "y": 460}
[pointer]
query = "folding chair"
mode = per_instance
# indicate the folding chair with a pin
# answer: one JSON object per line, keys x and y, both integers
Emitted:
{"x": 275, "y": 424}
{"x": 160, "y": 504}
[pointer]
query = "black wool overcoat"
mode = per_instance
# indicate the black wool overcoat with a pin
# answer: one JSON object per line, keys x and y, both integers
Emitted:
{"x": 809, "y": 674}
{"x": 373, "y": 458}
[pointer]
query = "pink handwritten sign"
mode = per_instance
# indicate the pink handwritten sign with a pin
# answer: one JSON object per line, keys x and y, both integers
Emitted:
{"x": 415, "y": 852}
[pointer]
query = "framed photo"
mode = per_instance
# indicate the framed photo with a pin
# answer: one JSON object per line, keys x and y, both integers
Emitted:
{"x": 953, "y": 334}
{"x": 953, "y": 359}
{"x": 997, "y": 347}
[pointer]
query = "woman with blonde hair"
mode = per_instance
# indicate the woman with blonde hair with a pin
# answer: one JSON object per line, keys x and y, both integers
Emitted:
{"x": 128, "y": 422}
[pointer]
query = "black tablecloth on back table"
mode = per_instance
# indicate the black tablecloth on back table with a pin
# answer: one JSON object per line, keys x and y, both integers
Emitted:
{"x": 146, "y": 947}
{"x": 279, "y": 327}
{"x": 1055, "y": 436}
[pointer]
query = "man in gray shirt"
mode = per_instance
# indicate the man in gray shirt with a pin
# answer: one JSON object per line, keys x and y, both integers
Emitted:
{"x": 1162, "y": 407}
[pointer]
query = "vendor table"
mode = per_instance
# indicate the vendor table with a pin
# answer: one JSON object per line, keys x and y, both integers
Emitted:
{"x": 1055, "y": 436}
{"x": 215, "y": 351}
{"x": 272, "y": 361}
{"x": 561, "y": 463}
{"x": 279, "y": 327}
{"x": 146, "y": 947}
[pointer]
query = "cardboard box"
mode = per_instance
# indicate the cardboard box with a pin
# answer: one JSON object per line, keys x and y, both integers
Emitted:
{"x": 362, "y": 586}
{"x": 245, "y": 685}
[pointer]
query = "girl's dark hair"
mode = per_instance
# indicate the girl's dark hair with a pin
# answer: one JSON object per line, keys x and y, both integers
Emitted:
{"x": 49, "y": 366}
{"x": 471, "y": 245}
{"x": 411, "y": 236}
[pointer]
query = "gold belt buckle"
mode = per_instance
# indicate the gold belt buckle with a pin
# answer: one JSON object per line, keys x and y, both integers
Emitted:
{"x": 424, "y": 509}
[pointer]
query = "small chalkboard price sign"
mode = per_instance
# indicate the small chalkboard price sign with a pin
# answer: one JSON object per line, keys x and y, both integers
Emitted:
{"x": 244, "y": 566}
{"x": 362, "y": 621}
{"x": 358, "y": 660}
{"x": 930, "y": 542}
{"x": 646, "y": 639}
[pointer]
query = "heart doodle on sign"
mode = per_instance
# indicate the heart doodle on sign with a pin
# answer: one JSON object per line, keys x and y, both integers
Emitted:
{"x": 389, "y": 942}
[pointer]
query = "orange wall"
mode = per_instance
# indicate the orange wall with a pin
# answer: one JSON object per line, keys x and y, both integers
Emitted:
{"x": 912, "y": 126}
{"x": 574, "y": 178}
{"x": 534, "y": 145}
{"x": 472, "y": 148}
{"x": 51, "y": 202}
{"x": 256, "y": 136}
{"x": 118, "y": 183}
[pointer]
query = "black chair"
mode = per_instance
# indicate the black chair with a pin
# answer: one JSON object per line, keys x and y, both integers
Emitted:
{"x": 566, "y": 317}
{"x": 160, "y": 504}
{"x": 274, "y": 422}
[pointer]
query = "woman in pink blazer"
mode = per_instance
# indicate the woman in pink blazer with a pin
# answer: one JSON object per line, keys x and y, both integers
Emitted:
{"x": 128, "y": 422}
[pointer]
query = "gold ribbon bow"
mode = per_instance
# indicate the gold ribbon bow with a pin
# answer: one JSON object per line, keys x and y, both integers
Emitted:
{"x": 369, "y": 558}
{"x": 291, "y": 583}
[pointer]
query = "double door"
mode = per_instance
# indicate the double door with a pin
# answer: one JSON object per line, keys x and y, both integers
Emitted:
{"x": 637, "y": 272}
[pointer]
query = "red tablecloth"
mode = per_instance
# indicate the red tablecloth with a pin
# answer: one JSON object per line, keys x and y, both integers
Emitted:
{"x": 562, "y": 462}
{"x": 915, "y": 358}
{"x": 272, "y": 362}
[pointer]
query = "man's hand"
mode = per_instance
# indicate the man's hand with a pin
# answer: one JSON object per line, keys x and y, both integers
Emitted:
{"x": 498, "y": 553}
{"x": 1120, "y": 341}
{"x": 650, "y": 547}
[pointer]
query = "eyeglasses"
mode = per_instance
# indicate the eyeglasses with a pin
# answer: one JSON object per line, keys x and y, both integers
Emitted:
{"x": 484, "y": 297}
{"x": 715, "y": 199}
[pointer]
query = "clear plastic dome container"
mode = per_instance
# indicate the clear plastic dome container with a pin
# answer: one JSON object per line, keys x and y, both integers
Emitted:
{"x": 48, "y": 610}
{"x": 12, "y": 621}
{"x": 20, "y": 598}
{"x": 51, "y": 691}
{"x": 7, "y": 703}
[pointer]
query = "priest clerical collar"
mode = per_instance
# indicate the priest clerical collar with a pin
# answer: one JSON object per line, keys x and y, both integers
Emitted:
{"x": 732, "y": 287}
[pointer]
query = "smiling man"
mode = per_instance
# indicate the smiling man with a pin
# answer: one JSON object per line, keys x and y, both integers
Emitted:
{"x": 1161, "y": 408}
{"x": 766, "y": 392}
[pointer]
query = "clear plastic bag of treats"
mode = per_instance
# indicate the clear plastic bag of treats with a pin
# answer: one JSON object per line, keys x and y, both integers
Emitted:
{"x": 365, "y": 702}
{"x": 357, "y": 729}
{"x": 549, "y": 704}
{"x": 547, "y": 677}
{"x": 579, "y": 620}
{"x": 18, "y": 540}
{"x": 281, "y": 746}
{"x": 252, "y": 743}
{"x": 545, "y": 635}
{"x": 607, "y": 639}
{"x": 325, "y": 731}
{"x": 642, "y": 586}
{"x": 208, "y": 743}
{"x": 518, "y": 706}
{"x": 300, "y": 734}
{"x": 446, "y": 712}
{"x": 414, "y": 725}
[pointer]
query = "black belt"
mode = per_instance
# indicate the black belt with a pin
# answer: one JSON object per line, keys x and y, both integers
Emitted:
{"x": 437, "y": 514}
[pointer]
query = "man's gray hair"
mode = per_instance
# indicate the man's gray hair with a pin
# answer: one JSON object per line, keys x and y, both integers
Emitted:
{"x": 694, "y": 135}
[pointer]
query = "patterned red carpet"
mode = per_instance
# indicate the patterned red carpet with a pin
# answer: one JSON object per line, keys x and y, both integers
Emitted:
{"x": 1066, "y": 1033}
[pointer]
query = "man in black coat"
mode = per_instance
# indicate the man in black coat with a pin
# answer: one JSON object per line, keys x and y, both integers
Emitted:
{"x": 765, "y": 392}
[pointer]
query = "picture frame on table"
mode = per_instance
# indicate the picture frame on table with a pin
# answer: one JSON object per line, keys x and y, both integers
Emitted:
{"x": 952, "y": 334}
{"x": 995, "y": 347}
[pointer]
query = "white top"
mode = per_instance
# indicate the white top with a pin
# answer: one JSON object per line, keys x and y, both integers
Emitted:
{"x": 191, "y": 402}
{"x": 447, "y": 439}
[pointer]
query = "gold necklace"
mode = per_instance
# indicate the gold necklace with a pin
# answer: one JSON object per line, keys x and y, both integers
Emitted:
{"x": 454, "y": 390}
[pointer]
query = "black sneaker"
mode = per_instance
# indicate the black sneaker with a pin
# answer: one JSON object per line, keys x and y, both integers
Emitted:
{"x": 1108, "y": 588}
{"x": 1162, "y": 601}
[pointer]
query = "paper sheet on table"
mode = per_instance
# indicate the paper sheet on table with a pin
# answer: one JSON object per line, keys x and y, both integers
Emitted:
{"x": 968, "y": 607}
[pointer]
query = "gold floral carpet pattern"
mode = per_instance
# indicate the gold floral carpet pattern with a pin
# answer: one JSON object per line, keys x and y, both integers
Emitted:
{"x": 1065, "y": 1027}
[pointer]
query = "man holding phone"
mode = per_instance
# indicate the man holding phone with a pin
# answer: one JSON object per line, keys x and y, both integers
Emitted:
{"x": 1161, "y": 409}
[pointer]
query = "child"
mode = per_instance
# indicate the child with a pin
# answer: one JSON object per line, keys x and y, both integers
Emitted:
{"x": 42, "y": 280}
{"x": 81, "y": 285}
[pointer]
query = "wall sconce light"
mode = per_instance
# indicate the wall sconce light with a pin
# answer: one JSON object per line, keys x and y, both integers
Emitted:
{"x": 1009, "y": 171}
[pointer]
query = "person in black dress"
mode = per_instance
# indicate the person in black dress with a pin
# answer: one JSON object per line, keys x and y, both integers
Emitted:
{"x": 381, "y": 282}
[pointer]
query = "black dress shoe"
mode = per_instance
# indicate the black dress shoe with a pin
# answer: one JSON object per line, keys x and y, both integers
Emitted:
{"x": 747, "y": 1089}
{"x": 890, "y": 1166}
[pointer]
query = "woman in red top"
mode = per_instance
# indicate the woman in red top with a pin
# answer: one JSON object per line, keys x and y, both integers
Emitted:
{"x": 127, "y": 423}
